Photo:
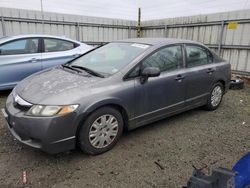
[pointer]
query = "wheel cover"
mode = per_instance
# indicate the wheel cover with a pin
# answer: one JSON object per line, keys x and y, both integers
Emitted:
{"x": 216, "y": 96}
{"x": 103, "y": 131}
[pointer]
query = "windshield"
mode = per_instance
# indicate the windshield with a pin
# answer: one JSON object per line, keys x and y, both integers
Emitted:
{"x": 110, "y": 58}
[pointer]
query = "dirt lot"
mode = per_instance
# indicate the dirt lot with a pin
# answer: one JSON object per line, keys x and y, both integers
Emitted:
{"x": 197, "y": 137}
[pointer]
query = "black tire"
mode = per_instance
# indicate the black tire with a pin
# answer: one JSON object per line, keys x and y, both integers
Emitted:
{"x": 236, "y": 84}
{"x": 83, "y": 135}
{"x": 209, "y": 106}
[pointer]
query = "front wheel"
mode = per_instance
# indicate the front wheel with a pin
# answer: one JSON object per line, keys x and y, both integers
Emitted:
{"x": 100, "y": 131}
{"x": 215, "y": 97}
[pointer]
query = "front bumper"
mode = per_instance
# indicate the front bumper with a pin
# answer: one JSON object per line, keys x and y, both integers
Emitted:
{"x": 50, "y": 134}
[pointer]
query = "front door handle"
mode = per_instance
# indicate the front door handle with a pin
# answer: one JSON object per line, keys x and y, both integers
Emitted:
{"x": 33, "y": 60}
{"x": 179, "y": 78}
{"x": 210, "y": 70}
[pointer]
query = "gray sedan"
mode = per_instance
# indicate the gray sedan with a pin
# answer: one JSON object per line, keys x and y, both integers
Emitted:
{"x": 122, "y": 85}
{"x": 23, "y": 55}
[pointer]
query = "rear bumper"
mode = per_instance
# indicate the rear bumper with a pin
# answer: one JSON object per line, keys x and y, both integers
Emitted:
{"x": 50, "y": 134}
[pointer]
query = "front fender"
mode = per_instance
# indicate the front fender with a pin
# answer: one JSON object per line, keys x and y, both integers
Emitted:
{"x": 85, "y": 111}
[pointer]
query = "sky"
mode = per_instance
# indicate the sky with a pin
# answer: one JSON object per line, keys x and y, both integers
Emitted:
{"x": 128, "y": 9}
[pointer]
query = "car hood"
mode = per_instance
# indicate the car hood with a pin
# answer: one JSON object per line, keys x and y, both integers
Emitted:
{"x": 56, "y": 86}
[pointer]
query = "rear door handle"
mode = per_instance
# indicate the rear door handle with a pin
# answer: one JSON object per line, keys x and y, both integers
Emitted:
{"x": 210, "y": 70}
{"x": 179, "y": 78}
{"x": 33, "y": 60}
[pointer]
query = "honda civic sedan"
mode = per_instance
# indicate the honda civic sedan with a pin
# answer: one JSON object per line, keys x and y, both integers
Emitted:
{"x": 23, "y": 55}
{"x": 122, "y": 85}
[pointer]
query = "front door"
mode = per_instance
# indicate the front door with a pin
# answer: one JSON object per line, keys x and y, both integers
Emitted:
{"x": 18, "y": 59}
{"x": 164, "y": 94}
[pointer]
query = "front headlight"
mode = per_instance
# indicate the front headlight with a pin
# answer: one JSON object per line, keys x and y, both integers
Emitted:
{"x": 41, "y": 110}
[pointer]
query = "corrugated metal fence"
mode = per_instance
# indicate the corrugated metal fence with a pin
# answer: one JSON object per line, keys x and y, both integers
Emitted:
{"x": 233, "y": 45}
{"x": 212, "y": 30}
{"x": 92, "y": 30}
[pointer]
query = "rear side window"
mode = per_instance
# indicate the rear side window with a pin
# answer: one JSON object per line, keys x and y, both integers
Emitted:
{"x": 22, "y": 46}
{"x": 197, "y": 56}
{"x": 56, "y": 45}
{"x": 166, "y": 59}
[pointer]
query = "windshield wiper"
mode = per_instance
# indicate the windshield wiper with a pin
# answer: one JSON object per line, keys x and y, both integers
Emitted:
{"x": 90, "y": 71}
{"x": 69, "y": 67}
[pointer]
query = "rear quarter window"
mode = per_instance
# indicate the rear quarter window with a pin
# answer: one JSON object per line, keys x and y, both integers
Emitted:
{"x": 56, "y": 45}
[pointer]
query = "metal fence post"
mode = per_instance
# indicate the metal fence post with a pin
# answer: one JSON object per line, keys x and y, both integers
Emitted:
{"x": 221, "y": 37}
{"x": 139, "y": 23}
{"x": 3, "y": 26}
{"x": 77, "y": 31}
{"x": 129, "y": 32}
{"x": 43, "y": 27}
{"x": 166, "y": 31}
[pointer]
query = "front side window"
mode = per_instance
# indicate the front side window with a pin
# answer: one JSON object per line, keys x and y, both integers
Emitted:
{"x": 111, "y": 57}
{"x": 22, "y": 46}
{"x": 166, "y": 59}
{"x": 56, "y": 45}
{"x": 197, "y": 56}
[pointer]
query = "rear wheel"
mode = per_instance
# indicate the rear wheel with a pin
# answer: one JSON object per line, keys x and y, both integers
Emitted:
{"x": 215, "y": 97}
{"x": 100, "y": 131}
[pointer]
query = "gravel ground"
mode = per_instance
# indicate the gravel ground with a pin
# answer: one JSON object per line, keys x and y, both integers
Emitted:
{"x": 198, "y": 137}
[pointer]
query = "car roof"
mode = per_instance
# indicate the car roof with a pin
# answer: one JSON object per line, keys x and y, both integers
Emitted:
{"x": 8, "y": 38}
{"x": 156, "y": 41}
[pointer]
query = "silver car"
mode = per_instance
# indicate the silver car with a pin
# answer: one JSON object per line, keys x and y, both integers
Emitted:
{"x": 23, "y": 55}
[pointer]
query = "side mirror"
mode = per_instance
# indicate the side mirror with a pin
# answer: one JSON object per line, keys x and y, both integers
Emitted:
{"x": 149, "y": 72}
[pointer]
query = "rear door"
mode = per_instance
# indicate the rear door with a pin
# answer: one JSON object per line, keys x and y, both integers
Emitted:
{"x": 18, "y": 59}
{"x": 58, "y": 51}
{"x": 200, "y": 70}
